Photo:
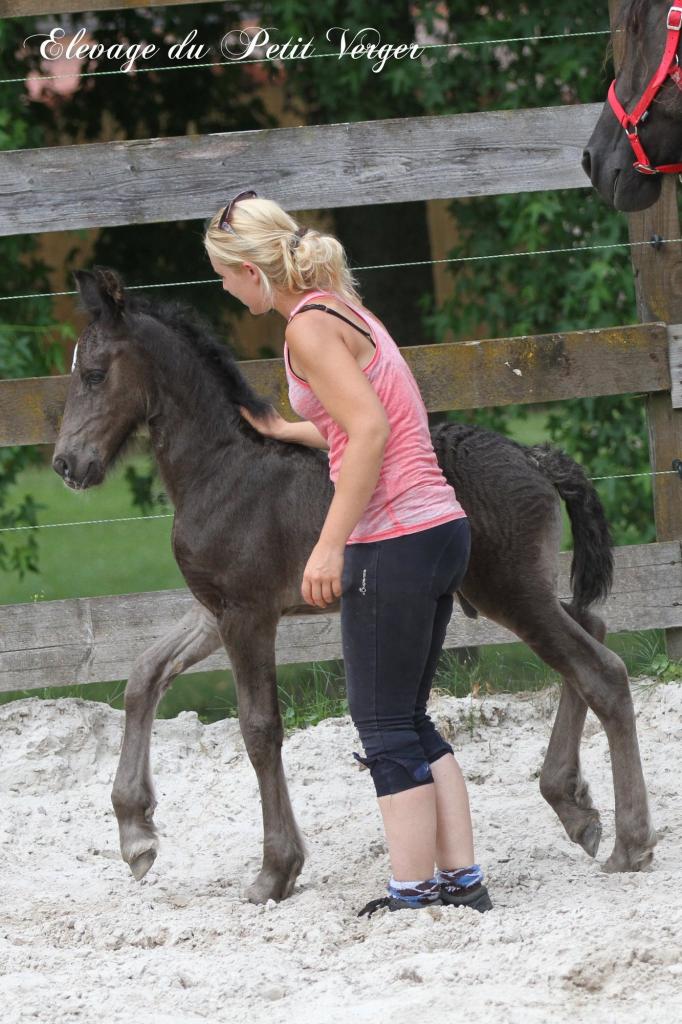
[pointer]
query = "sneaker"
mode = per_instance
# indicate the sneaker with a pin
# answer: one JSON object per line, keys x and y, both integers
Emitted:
{"x": 476, "y": 897}
{"x": 395, "y": 903}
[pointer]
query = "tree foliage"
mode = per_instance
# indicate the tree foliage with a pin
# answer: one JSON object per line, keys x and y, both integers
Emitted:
{"x": 29, "y": 339}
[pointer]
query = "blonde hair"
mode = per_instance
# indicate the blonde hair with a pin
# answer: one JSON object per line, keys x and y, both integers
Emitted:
{"x": 265, "y": 235}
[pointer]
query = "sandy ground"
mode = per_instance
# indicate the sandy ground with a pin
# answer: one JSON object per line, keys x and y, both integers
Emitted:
{"x": 80, "y": 940}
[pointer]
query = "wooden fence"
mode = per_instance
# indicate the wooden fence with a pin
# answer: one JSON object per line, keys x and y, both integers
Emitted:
{"x": 96, "y": 639}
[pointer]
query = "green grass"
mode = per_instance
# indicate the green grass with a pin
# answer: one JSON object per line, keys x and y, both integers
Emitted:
{"x": 91, "y": 561}
{"x": 131, "y": 557}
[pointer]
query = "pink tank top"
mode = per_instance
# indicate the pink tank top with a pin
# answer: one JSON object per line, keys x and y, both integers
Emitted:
{"x": 412, "y": 493}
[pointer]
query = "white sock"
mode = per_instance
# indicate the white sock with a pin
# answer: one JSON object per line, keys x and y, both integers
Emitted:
{"x": 423, "y": 890}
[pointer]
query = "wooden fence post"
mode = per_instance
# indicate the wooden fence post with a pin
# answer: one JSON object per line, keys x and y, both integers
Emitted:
{"x": 658, "y": 284}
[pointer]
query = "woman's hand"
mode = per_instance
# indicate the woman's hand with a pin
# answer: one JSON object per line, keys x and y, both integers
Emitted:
{"x": 272, "y": 425}
{"x": 322, "y": 576}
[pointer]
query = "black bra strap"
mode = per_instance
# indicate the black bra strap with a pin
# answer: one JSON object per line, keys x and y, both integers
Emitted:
{"x": 334, "y": 312}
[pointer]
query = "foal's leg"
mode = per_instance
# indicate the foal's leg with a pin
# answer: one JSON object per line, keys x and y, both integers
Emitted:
{"x": 600, "y": 678}
{"x": 249, "y": 638}
{"x": 561, "y": 780}
{"x": 191, "y": 640}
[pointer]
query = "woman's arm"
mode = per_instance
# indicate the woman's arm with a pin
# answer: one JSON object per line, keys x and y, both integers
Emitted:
{"x": 303, "y": 432}
{"x": 345, "y": 392}
{"x": 357, "y": 479}
{"x": 274, "y": 425}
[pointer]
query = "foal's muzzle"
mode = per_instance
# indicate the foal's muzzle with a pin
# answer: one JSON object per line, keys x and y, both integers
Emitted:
{"x": 76, "y": 476}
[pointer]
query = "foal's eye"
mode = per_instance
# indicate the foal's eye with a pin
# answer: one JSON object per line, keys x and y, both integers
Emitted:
{"x": 95, "y": 377}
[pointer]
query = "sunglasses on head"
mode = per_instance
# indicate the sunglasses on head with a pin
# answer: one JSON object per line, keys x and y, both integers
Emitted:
{"x": 224, "y": 222}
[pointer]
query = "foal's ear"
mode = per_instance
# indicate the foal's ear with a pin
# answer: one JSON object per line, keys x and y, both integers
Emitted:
{"x": 101, "y": 292}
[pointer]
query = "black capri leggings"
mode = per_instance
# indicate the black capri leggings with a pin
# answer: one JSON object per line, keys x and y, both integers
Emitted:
{"x": 397, "y": 598}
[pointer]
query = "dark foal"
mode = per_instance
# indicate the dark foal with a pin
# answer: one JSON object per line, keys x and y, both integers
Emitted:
{"x": 608, "y": 157}
{"x": 248, "y": 511}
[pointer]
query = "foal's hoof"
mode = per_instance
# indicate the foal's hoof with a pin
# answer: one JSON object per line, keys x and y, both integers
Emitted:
{"x": 267, "y": 887}
{"x": 274, "y": 885}
{"x": 633, "y": 858}
{"x": 141, "y": 865}
{"x": 139, "y": 846}
{"x": 590, "y": 838}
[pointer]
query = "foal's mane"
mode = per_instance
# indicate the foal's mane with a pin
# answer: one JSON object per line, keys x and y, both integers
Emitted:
{"x": 198, "y": 334}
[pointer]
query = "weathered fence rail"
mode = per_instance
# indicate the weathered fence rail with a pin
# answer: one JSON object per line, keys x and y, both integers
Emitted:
{"x": 454, "y": 375}
{"x": 309, "y": 167}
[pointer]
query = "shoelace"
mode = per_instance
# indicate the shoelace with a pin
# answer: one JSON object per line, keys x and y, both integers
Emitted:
{"x": 384, "y": 901}
{"x": 373, "y": 905}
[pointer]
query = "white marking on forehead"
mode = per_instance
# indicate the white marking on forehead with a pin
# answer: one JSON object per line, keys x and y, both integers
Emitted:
{"x": 73, "y": 363}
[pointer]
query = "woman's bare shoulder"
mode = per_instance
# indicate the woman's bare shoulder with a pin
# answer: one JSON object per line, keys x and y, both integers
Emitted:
{"x": 344, "y": 306}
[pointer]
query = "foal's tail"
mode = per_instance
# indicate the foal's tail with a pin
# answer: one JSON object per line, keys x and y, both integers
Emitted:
{"x": 592, "y": 563}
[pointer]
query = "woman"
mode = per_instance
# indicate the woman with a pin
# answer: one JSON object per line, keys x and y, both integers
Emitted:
{"x": 395, "y": 543}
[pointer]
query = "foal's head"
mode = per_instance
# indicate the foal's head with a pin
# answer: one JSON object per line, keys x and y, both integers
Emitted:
{"x": 135, "y": 359}
{"x": 609, "y": 157}
{"x": 106, "y": 398}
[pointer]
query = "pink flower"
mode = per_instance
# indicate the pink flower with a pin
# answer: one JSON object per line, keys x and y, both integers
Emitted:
{"x": 61, "y": 78}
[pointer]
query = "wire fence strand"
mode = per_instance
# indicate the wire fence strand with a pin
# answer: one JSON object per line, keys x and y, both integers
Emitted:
{"x": 312, "y": 56}
{"x": 169, "y": 515}
{"x": 388, "y": 266}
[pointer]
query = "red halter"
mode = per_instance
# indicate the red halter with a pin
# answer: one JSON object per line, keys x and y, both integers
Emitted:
{"x": 669, "y": 66}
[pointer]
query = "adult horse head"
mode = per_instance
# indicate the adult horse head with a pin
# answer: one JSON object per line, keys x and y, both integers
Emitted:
{"x": 638, "y": 136}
